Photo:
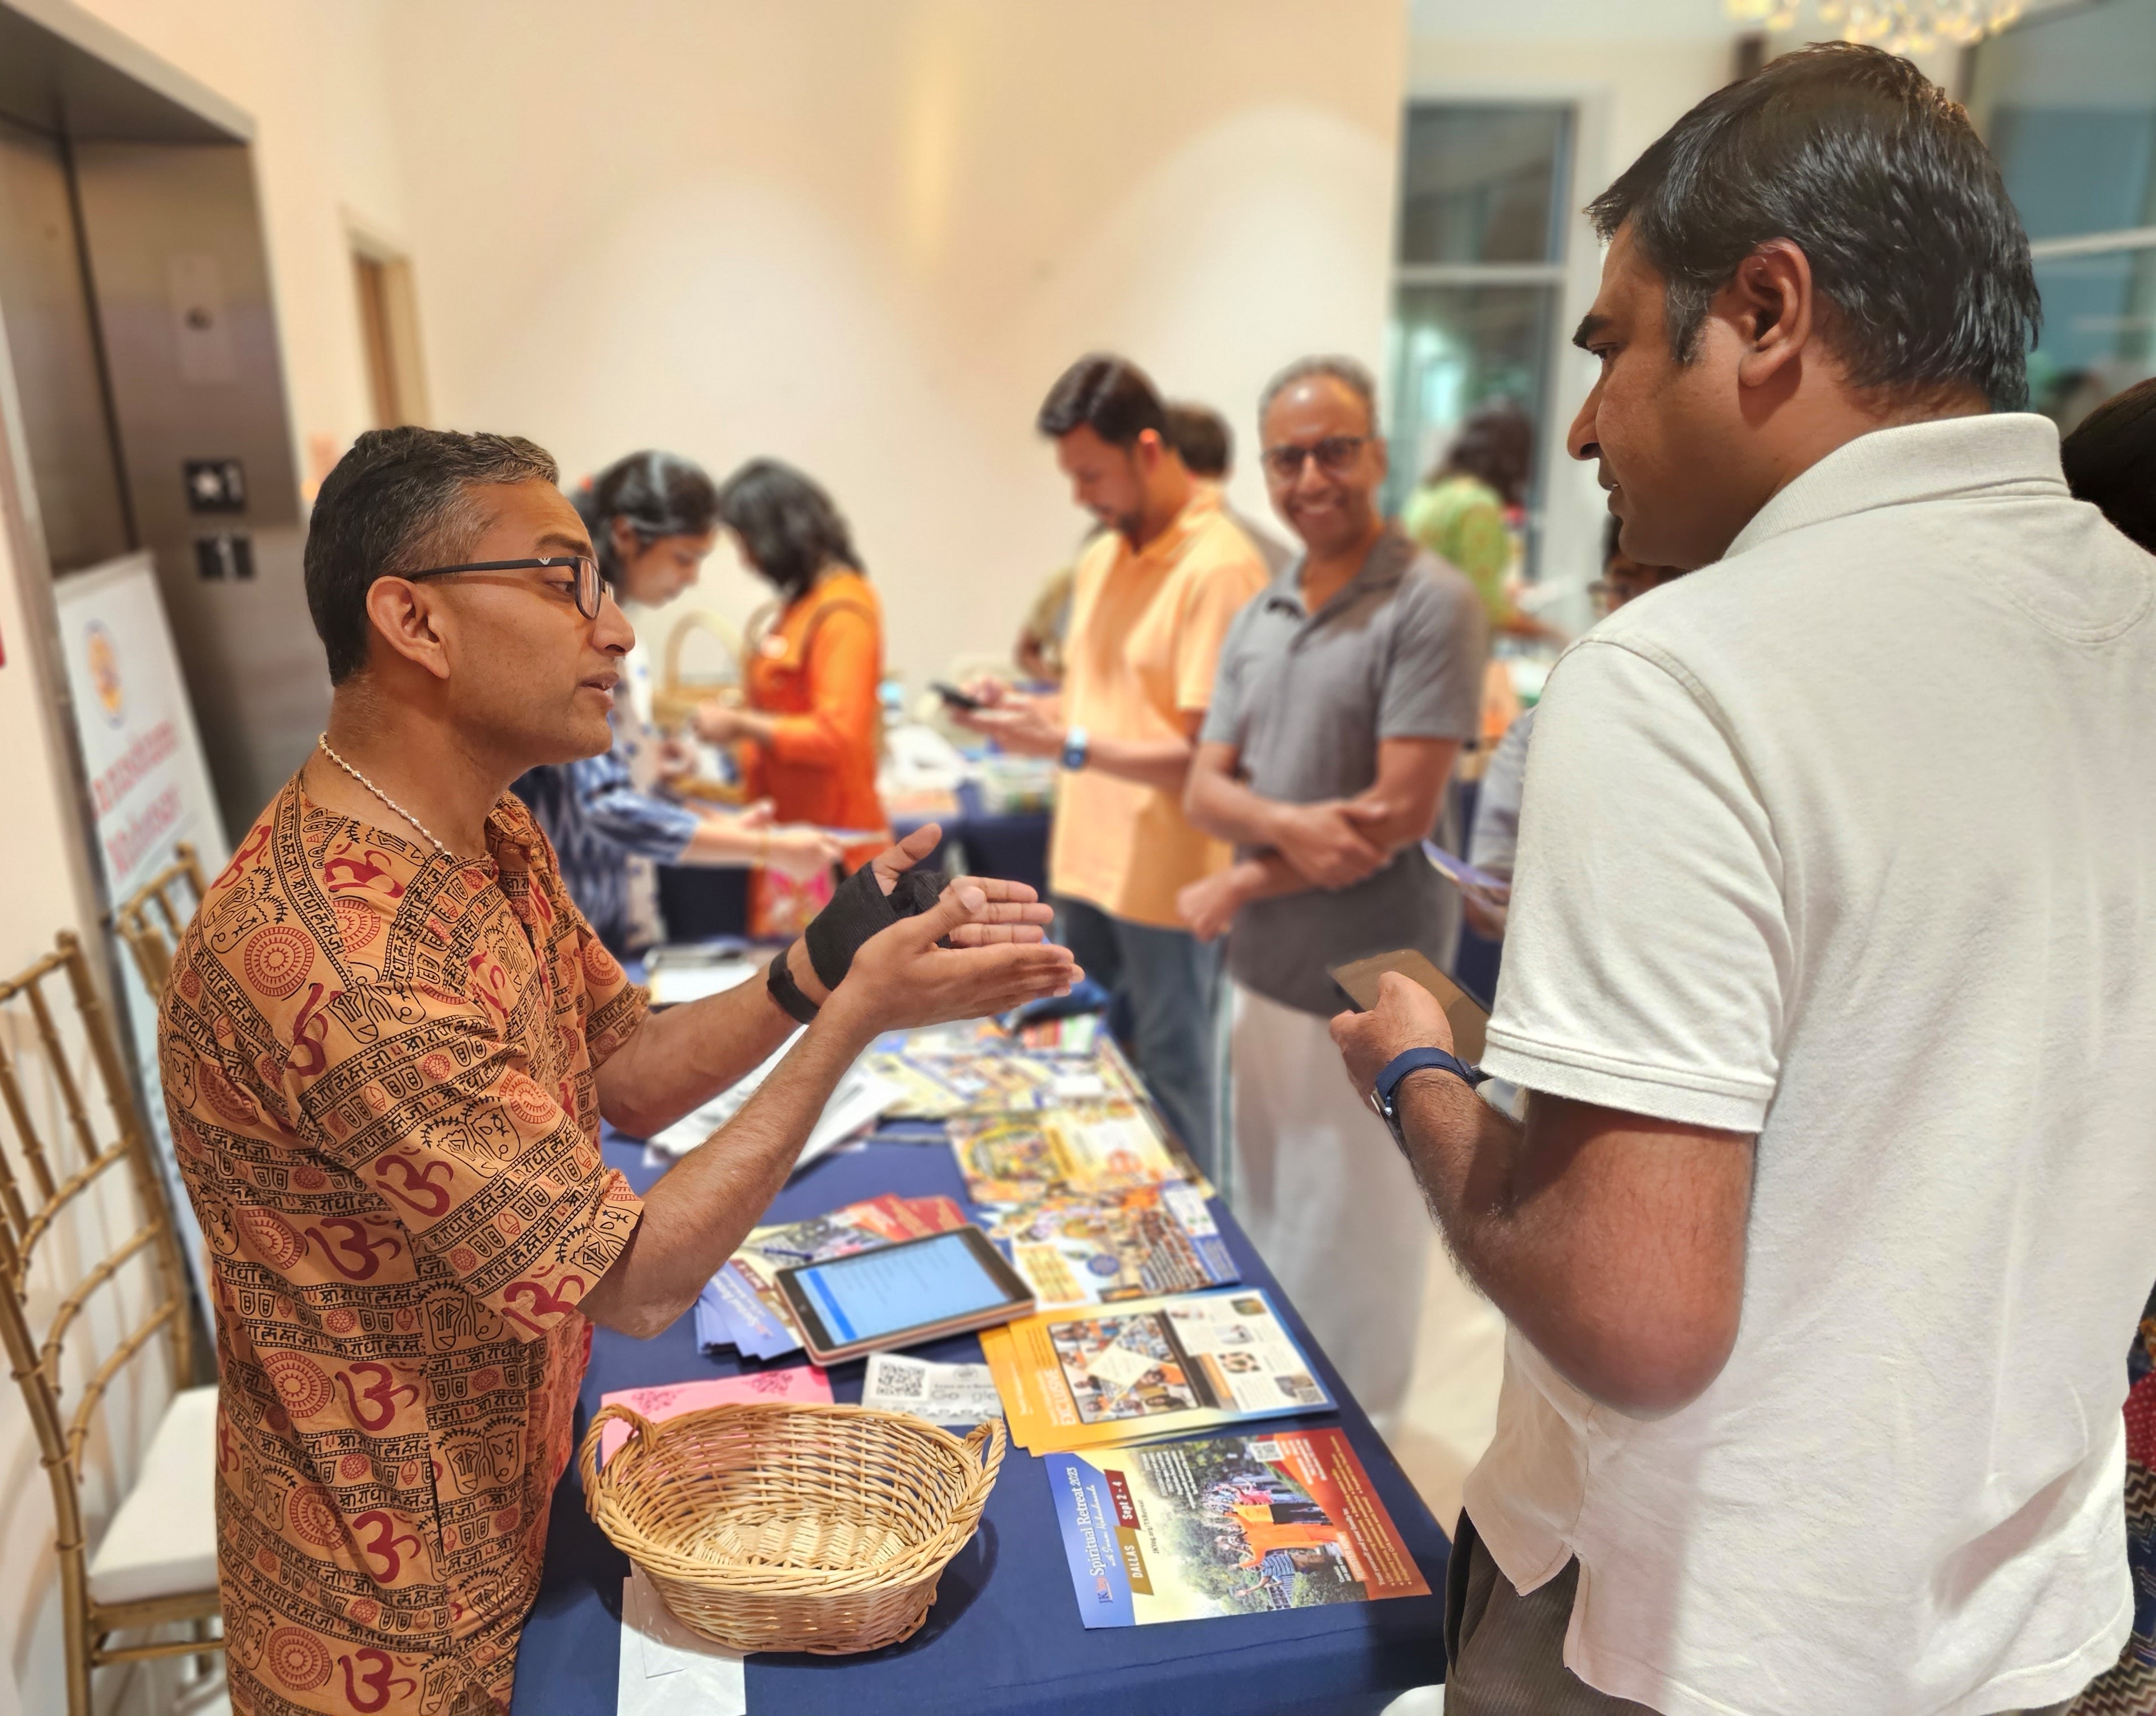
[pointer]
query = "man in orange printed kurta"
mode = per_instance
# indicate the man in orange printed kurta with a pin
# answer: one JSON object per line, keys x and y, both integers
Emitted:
{"x": 380, "y": 1064}
{"x": 388, "y": 1042}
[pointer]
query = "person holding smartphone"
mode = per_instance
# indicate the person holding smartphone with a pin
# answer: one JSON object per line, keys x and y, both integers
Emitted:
{"x": 1831, "y": 973}
{"x": 1154, "y": 594}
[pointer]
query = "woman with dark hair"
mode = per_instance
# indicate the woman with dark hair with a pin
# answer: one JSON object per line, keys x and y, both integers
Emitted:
{"x": 1459, "y": 513}
{"x": 2110, "y": 461}
{"x": 808, "y": 738}
{"x": 653, "y": 517}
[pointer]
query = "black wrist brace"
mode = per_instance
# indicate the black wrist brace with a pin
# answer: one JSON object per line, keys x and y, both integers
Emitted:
{"x": 788, "y": 993}
{"x": 861, "y": 909}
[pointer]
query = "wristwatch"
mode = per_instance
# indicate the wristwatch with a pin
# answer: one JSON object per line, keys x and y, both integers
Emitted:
{"x": 1384, "y": 1094}
{"x": 1075, "y": 747}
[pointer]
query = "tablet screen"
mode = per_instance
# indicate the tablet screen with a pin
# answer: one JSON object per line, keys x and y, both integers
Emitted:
{"x": 872, "y": 1294}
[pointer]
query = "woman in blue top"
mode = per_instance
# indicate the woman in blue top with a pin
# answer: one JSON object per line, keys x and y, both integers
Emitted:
{"x": 653, "y": 518}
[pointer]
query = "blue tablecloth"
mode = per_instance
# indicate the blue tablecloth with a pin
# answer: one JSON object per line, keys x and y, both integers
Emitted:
{"x": 1004, "y": 1638}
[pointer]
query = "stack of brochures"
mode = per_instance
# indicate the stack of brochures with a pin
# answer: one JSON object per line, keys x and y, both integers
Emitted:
{"x": 1089, "y": 1202}
{"x": 1145, "y": 1382}
{"x": 979, "y": 1068}
{"x": 1081, "y": 1149}
{"x": 1076, "y": 1249}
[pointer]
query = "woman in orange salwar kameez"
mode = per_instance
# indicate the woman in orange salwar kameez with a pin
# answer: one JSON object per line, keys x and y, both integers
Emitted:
{"x": 808, "y": 740}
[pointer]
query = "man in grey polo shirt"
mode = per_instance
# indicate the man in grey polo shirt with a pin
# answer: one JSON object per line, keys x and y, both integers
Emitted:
{"x": 1343, "y": 696}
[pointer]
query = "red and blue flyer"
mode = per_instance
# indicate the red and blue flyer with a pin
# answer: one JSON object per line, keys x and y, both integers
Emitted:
{"x": 1225, "y": 1525}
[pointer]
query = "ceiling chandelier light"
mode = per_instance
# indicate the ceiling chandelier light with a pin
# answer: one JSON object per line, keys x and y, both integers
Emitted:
{"x": 1898, "y": 26}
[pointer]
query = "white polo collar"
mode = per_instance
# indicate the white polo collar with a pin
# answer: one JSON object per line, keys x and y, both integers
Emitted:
{"x": 2002, "y": 453}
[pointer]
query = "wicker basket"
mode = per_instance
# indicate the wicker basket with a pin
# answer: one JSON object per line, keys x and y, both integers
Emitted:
{"x": 772, "y": 1527}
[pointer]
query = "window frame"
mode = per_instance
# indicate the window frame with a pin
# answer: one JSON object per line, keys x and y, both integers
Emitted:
{"x": 2121, "y": 241}
{"x": 1555, "y": 275}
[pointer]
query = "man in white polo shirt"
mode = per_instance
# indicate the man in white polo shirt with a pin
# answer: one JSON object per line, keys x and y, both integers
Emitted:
{"x": 1831, "y": 968}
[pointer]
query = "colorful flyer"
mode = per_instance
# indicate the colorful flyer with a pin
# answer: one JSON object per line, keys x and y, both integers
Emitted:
{"x": 1149, "y": 1368}
{"x": 1076, "y": 1151}
{"x": 934, "y": 1088}
{"x": 1115, "y": 1246}
{"x": 735, "y": 1314}
{"x": 935, "y": 1215}
{"x": 1077, "y": 1034}
{"x": 1225, "y": 1525}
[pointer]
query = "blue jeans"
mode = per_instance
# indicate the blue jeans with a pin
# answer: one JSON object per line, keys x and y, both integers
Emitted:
{"x": 1171, "y": 981}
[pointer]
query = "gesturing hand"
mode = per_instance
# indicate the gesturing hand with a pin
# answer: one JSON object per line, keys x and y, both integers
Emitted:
{"x": 1407, "y": 1016}
{"x": 801, "y": 851}
{"x": 901, "y": 979}
{"x": 717, "y": 723}
{"x": 1012, "y": 912}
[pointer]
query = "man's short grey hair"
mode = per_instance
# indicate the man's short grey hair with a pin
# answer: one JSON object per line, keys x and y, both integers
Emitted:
{"x": 399, "y": 499}
{"x": 1345, "y": 370}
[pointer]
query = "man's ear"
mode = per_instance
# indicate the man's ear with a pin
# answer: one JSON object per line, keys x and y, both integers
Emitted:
{"x": 1771, "y": 307}
{"x": 1148, "y": 451}
{"x": 406, "y": 619}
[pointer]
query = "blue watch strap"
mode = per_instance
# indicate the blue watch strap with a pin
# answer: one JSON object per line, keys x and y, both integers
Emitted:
{"x": 1077, "y": 746}
{"x": 1417, "y": 1060}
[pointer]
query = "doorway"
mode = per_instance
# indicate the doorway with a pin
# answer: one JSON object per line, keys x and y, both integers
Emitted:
{"x": 389, "y": 329}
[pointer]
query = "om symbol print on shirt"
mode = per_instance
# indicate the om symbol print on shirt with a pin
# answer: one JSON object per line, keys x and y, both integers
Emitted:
{"x": 379, "y": 1063}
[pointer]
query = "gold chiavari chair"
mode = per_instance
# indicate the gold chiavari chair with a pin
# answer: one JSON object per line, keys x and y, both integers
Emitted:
{"x": 150, "y": 923}
{"x": 156, "y": 1563}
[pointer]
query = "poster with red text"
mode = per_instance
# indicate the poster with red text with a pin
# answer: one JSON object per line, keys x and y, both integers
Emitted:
{"x": 149, "y": 789}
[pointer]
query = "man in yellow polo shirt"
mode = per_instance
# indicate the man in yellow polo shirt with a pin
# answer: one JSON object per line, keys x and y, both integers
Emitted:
{"x": 1154, "y": 594}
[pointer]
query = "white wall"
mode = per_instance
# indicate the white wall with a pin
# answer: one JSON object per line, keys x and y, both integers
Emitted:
{"x": 867, "y": 238}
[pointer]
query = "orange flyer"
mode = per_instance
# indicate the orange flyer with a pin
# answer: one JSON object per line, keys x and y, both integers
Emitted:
{"x": 1090, "y": 1376}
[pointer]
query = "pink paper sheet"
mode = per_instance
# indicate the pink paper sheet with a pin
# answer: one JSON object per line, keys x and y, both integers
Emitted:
{"x": 804, "y": 1383}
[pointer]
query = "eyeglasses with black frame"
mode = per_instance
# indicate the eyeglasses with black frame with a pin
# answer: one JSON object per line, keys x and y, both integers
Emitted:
{"x": 1336, "y": 456}
{"x": 588, "y": 586}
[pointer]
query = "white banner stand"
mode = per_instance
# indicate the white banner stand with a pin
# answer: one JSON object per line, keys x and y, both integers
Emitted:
{"x": 150, "y": 788}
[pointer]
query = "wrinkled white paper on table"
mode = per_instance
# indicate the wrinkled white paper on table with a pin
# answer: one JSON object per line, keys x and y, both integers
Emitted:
{"x": 666, "y": 1668}
{"x": 854, "y": 1106}
{"x": 959, "y": 1395}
